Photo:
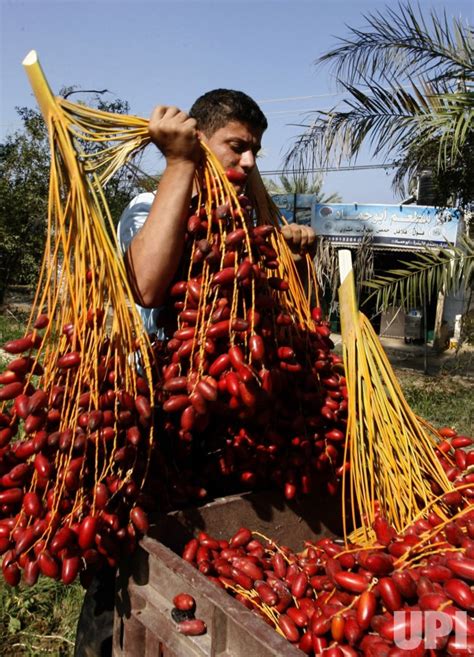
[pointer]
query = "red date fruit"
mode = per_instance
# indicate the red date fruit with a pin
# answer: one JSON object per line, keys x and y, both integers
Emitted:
{"x": 184, "y": 602}
{"x": 194, "y": 627}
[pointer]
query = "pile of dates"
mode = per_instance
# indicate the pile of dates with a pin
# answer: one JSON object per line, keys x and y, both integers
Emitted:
{"x": 348, "y": 600}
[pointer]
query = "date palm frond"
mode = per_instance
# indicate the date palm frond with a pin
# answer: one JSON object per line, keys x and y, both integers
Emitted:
{"x": 390, "y": 120}
{"x": 402, "y": 43}
{"x": 447, "y": 269}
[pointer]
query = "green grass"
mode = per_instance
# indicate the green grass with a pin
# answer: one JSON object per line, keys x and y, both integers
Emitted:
{"x": 40, "y": 620}
{"x": 442, "y": 400}
{"x": 11, "y": 327}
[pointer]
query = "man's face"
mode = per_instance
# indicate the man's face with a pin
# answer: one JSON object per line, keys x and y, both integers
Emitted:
{"x": 236, "y": 146}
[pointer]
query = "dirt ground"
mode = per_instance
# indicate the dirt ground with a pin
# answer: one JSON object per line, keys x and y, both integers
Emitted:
{"x": 425, "y": 359}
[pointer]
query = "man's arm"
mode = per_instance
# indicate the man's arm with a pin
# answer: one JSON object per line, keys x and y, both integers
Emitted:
{"x": 154, "y": 253}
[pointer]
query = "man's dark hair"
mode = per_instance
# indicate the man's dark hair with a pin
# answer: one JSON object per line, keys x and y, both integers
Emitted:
{"x": 214, "y": 109}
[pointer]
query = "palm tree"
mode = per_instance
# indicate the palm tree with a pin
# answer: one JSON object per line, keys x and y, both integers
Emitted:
{"x": 301, "y": 184}
{"x": 410, "y": 96}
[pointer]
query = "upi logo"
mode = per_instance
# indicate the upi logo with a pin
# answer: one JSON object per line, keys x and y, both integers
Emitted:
{"x": 410, "y": 628}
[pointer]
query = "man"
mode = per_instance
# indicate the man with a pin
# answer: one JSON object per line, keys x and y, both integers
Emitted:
{"x": 152, "y": 228}
{"x": 151, "y": 235}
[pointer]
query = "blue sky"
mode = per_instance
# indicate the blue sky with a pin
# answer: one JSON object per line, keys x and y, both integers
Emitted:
{"x": 165, "y": 52}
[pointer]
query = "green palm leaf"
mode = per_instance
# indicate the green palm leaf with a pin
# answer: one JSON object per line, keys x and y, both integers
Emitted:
{"x": 391, "y": 119}
{"x": 400, "y": 45}
{"x": 447, "y": 269}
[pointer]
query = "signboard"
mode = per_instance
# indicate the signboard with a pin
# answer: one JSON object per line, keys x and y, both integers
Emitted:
{"x": 394, "y": 226}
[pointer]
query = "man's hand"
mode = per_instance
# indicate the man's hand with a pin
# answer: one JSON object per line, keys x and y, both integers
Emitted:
{"x": 300, "y": 239}
{"x": 175, "y": 134}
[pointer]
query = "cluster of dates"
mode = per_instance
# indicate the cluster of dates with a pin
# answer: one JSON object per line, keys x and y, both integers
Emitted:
{"x": 339, "y": 600}
{"x": 251, "y": 395}
{"x": 71, "y": 461}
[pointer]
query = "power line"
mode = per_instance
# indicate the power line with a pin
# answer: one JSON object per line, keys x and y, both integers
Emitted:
{"x": 354, "y": 167}
{"x": 131, "y": 166}
{"x": 328, "y": 95}
{"x": 281, "y": 100}
{"x": 305, "y": 110}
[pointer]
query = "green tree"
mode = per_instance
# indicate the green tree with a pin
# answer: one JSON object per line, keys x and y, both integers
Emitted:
{"x": 301, "y": 184}
{"x": 24, "y": 165}
{"x": 410, "y": 97}
{"x": 24, "y": 183}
